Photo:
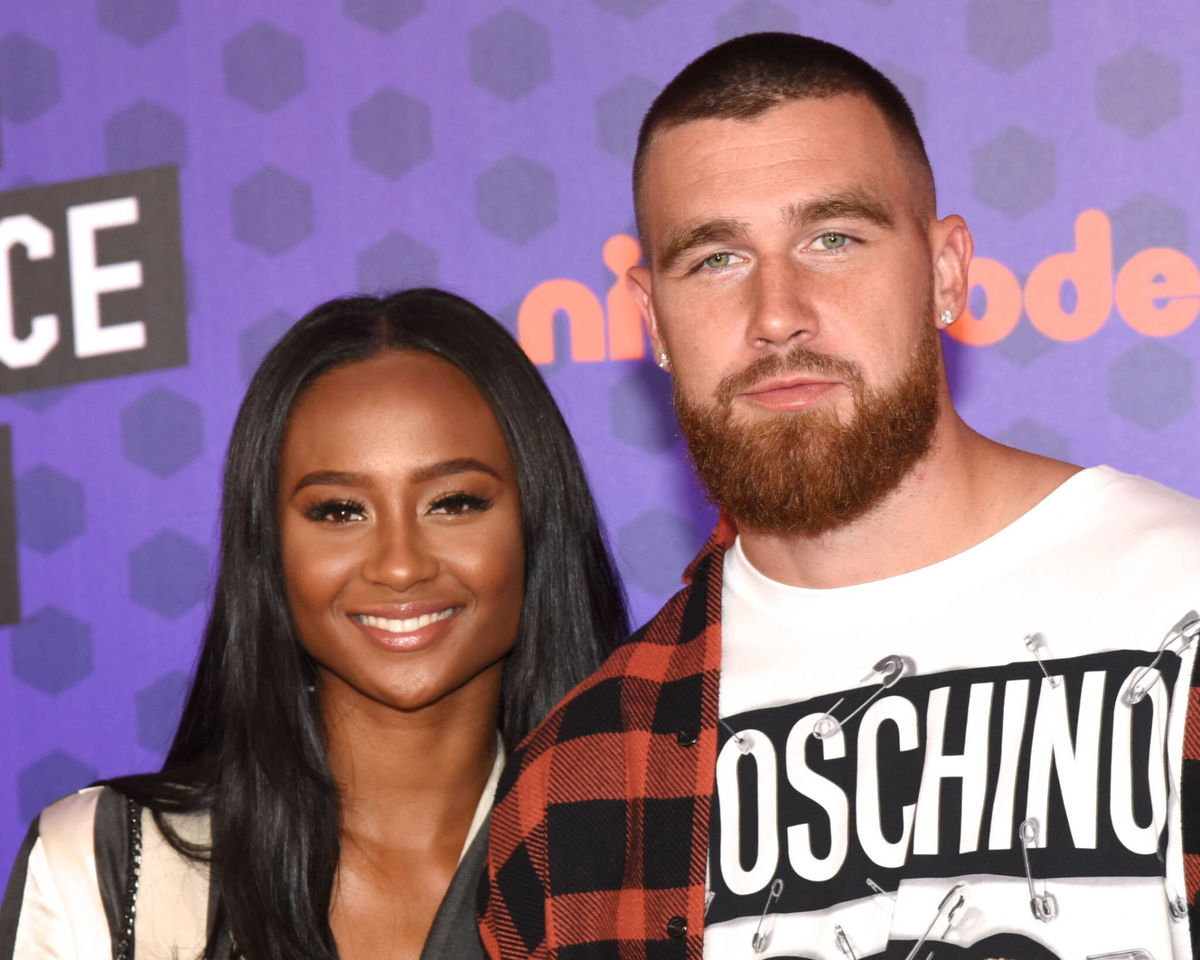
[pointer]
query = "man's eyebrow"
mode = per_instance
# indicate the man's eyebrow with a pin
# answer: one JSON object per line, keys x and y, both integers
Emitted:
{"x": 679, "y": 241}
{"x": 845, "y": 206}
{"x": 432, "y": 471}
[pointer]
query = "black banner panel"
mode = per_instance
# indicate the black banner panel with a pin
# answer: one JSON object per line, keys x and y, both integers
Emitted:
{"x": 10, "y": 594}
{"x": 91, "y": 280}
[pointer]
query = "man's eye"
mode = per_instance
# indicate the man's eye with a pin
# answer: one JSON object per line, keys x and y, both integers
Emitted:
{"x": 457, "y": 504}
{"x": 335, "y": 511}
{"x": 832, "y": 240}
{"x": 718, "y": 261}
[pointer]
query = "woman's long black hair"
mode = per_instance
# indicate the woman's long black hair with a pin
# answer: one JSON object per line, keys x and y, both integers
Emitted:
{"x": 249, "y": 750}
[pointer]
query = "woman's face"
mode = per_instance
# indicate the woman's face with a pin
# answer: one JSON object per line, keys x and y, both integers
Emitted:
{"x": 400, "y": 527}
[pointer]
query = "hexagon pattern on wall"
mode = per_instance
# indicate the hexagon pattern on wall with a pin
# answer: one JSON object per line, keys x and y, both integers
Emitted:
{"x": 1008, "y": 34}
{"x": 516, "y": 199}
{"x": 1026, "y": 434}
{"x": 162, "y": 432}
{"x": 272, "y": 210}
{"x": 386, "y": 16}
{"x": 1146, "y": 221}
{"x": 1151, "y": 384}
{"x": 157, "y": 707}
{"x": 755, "y": 16}
{"x": 257, "y": 339}
{"x": 51, "y": 650}
{"x": 395, "y": 262}
{"x": 145, "y": 134}
{"x": 911, "y": 85}
{"x": 509, "y": 54}
{"x": 1014, "y": 172}
{"x": 1025, "y": 344}
{"x": 655, "y": 548}
{"x": 168, "y": 574}
{"x": 264, "y": 67}
{"x": 640, "y": 412}
{"x": 50, "y": 509}
{"x": 1138, "y": 92}
{"x": 629, "y": 9}
{"x": 53, "y": 776}
{"x": 619, "y": 112}
{"x": 29, "y": 81}
{"x": 390, "y": 133}
{"x": 137, "y": 21}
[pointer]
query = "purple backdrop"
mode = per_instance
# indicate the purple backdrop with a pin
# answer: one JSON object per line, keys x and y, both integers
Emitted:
{"x": 325, "y": 147}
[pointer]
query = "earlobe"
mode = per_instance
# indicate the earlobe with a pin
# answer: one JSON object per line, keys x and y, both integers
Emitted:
{"x": 951, "y": 262}
{"x": 637, "y": 280}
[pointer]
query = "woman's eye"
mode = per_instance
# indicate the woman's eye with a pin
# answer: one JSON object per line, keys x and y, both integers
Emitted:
{"x": 457, "y": 504}
{"x": 832, "y": 241}
{"x": 718, "y": 261}
{"x": 335, "y": 511}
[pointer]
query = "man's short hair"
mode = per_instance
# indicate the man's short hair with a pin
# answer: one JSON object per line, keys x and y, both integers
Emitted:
{"x": 748, "y": 75}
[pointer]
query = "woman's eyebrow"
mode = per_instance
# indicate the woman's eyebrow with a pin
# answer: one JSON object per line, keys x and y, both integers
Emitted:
{"x": 446, "y": 468}
{"x": 330, "y": 478}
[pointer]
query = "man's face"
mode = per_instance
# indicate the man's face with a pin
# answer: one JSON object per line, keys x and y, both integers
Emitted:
{"x": 794, "y": 271}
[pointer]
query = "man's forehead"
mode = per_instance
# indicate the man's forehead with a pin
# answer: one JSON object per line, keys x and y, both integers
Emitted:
{"x": 845, "y": 116}
{"x": 840, "y": 145}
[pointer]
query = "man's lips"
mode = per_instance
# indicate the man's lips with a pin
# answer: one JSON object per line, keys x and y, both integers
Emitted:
{"x": 789, "y": 393}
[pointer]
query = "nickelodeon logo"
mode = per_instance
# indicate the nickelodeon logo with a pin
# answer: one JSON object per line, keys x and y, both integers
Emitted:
{"x": 1156, "y": 292}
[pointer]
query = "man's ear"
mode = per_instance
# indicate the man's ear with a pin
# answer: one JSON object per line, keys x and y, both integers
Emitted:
{"x": 637, "y": 280}
{"x": 952, "y": 249}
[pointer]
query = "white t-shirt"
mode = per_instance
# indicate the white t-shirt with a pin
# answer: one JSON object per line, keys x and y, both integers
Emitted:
{"x": 903, "y": 820}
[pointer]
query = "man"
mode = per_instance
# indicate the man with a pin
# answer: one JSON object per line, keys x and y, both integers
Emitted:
{"x": 924, "y": 694}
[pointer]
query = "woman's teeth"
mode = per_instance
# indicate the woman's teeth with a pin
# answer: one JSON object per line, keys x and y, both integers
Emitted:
{"x": 407, "y": 625}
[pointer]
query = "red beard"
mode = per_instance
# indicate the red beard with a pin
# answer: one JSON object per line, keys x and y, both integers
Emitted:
{"x": 805, "y": 472}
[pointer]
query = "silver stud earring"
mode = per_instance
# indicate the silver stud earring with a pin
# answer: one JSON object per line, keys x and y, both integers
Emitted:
{"x": 663, "y": 360}
{"x": 945, "y": 319}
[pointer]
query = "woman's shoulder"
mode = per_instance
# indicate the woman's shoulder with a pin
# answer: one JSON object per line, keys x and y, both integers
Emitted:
{"x": 77, "y": 872}
{"x": 54, "y": 891}
{"x": 76, "y": 812}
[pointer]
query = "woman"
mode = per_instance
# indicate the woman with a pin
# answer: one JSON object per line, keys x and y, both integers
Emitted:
{"x": 411, "y": 570}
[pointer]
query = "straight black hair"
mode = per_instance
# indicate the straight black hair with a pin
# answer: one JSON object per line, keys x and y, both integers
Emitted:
{"x": 249, "y": 749}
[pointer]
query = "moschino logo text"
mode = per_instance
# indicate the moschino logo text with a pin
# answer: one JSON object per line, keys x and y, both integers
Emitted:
{"x": 934, "y": 778}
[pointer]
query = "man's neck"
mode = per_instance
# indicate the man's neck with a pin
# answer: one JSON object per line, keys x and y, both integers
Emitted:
{"x": 962, "y": 492}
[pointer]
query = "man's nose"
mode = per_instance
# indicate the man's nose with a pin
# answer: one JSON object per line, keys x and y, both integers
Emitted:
{"x": 781, "y": 312}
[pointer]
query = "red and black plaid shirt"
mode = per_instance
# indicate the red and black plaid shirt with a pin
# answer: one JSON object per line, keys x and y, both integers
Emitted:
{"x": 599, "y": 836}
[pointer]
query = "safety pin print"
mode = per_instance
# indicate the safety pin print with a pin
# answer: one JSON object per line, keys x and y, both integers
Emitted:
{"x": 843, "y": 943}
{"x": 762, "y": 933}
{"x": 889, "y": 670}
{"x": 1135, "y": 954}
{"x": 1043, "y": 905}
{"x": 1177, "y": 640}
{"x": 741, "y": 739}
{"x": 1036, "y": 644}
{"x": 951, "y": 904}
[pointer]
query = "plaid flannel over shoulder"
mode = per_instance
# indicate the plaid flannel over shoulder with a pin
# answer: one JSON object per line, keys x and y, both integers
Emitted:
{"x": 1190, "y": 802}
{"x": 599, "y": 835}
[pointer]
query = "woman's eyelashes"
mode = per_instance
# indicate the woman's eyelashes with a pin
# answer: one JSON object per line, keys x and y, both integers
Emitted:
{"x": 336, "y": 511}
{"x": 341, "y": 510}
{"x": 460, "y": 503}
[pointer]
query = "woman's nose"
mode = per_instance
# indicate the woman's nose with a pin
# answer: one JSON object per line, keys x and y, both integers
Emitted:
{"x": 399, "y": 556}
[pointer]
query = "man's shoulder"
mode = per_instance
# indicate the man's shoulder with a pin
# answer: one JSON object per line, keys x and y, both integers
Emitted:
{"x": 648, "y": 681}
{"x": 1137, "y": 507}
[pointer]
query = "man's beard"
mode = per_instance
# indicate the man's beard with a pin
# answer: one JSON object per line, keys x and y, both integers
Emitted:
{"x": 806, "y": 472}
